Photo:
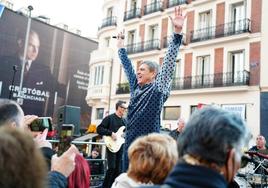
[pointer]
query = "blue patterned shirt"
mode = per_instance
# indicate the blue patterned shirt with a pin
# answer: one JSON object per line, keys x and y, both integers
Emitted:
{"x": 146, "y": 101}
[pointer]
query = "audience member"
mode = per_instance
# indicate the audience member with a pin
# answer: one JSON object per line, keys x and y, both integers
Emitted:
{"x": 151, "y": 158}
{"x": 21, "y": 163}
{"x": 261, "y": 148}
{"x": 176, "y": 132}
{"x": 210, "y": 150}
{"x": 13, "y": 116}
{"x": 96, "y": 164}
{"x": 80, "y": 177}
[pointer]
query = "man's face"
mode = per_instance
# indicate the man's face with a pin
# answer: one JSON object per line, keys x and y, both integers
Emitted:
{"x": 121, "y": 109}
{"x": 260, "y": 142}
{"x": 181, "y": 125}
{"x": 33, "y": 47}
{"x": 144, "y": 76}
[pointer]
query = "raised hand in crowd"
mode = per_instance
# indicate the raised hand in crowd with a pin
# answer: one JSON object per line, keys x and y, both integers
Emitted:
{"x": 65, "y": 164}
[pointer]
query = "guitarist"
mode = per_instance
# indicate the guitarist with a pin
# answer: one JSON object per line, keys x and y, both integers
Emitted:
{"x": 108, "y": 127}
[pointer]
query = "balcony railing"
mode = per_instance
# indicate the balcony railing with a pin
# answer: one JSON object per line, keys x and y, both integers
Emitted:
{"x": 231, "y": 28}
{"x": 143, "y": 46}
{"x": 172, "y": 3}
{"x": 122, "y": 88}
{"x": 153, "y": 7}
{"x": 212, "y": 80}
{"x": 166, "y": 40}
{"x": 131, "y": 14}
{"x": 110, "y": 21}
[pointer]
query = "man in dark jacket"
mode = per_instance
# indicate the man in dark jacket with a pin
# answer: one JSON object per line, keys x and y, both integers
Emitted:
{"x": 108, "y": 127}
{"x": 210, "y": 150}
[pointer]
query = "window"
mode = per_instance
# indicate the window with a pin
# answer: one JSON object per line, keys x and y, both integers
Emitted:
{"x": 109, "y": 12}
{"x": 202, "y": 65}
{"x": 236, "y": 65}
{"x": 153, "y": 32}
{"x": 171, "y": 112}
{"x": 238, "y": 16}
{"x": 131, "y": 37}
{"x": 98, "y": 75}
{"x": 193, "y": 108}
{"x": 107, "y": 41}
{"x": 133, "y": 5}
{"x": 99, "y": 113}
{"x": 202, "y": 69}
{"x": 205, "y": 24}
{"x": 178, "y": 69}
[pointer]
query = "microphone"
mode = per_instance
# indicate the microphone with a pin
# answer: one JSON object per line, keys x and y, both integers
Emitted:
{"x": 115, "y": 37}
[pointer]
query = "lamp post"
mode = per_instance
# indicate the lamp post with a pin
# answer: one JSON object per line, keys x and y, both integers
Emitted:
{"x": 20, "y": 93}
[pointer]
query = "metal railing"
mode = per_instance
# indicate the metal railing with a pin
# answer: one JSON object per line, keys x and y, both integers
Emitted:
{"x": 153, "y": 7}
{"x": 143, "y": 46}
{"x": 172, "y": 3}
{"x": 231, "y": 28}
{"x": 110, "y": 21}
{"x": 131, "y": 14}
{"x": 211, "y": 80}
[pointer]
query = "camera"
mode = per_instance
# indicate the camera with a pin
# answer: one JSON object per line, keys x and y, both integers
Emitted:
{"x": 40, "y": 124}
{"x": 66, "y": 137}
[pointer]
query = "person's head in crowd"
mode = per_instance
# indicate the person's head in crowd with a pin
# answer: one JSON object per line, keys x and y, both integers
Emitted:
{"x": 80, "y": 177}
{"x": 147, "y": 72}
{"x": 120, "y": 107}
{"x": 32, "y": 47}
{"x": 261, "y": 142}
{"x": 11, "y": 113}
{"x": 214, "y": 138}
{"x": 95, "y": 153}
{"x": 151, "y": 158}
{"x": 180, "y": 124}
{"x": 21, "y": 162}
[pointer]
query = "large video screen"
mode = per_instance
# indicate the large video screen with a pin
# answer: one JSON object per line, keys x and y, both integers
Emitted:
{"x": 55, "y": 63}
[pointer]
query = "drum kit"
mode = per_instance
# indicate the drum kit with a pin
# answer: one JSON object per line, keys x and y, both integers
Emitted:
{"x": 254, "y": 174}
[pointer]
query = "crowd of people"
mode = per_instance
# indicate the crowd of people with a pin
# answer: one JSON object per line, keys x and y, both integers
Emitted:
{"x": 204, "y": 152}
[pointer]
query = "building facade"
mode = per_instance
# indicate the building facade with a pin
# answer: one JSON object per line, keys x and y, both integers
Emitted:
{"x": 221, "y": 61}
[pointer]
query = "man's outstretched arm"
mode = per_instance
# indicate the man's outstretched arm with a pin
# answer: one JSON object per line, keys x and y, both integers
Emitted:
{"x": 164, "y": 78}
{"x": 127, "y": 65}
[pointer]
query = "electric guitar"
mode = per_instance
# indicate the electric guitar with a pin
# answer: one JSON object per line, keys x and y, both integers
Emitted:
{"x": 115, "y": 145}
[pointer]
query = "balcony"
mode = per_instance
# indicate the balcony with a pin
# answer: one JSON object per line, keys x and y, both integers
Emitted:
{"x": 122, "y": 88}
{"x": 173, "y": 3}
{"x": 228, "y": 29}
{"x": 143, "y": 46}
{"x": 110, "y": 21}
{"x": 153, "y": 7}
{"x": 239, "y": 78}
{"x": 131, "y": 14}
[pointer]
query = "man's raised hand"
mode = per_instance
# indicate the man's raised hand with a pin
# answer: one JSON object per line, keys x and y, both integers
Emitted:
{"x": 178, "y": 19}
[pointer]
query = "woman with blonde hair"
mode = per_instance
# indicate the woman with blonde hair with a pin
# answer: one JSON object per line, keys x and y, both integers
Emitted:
{"x": 151, "y": 158}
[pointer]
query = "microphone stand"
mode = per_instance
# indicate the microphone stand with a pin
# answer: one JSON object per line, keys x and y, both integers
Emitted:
{"x": 15, "y": 68}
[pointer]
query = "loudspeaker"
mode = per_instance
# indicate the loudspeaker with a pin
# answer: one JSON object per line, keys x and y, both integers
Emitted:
{"x": 69, "y": 115}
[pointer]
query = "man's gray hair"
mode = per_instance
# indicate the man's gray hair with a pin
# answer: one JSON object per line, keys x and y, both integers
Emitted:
{"x": 153, "y": 66}
{"x": 10, "y": 112}
{"x": 211, "y": 133}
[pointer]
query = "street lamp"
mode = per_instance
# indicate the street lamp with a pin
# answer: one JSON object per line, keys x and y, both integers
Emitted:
{"x": 20, "y": 93}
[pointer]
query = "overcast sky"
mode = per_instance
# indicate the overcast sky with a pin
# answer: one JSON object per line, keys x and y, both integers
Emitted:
{"x": 85, "y": 15}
